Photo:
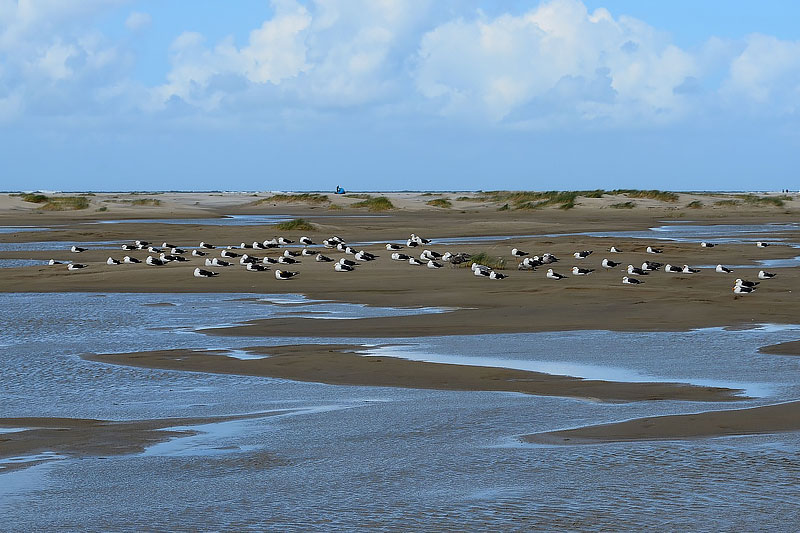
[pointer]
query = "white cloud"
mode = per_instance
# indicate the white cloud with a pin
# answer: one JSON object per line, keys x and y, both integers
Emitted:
{"x": 137, "y": 21}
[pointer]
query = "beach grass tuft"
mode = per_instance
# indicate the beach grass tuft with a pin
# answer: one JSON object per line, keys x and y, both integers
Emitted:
{"x": 696, "y": 204}
{"x": 57, "y": 203}
{"x": 153, "y": 202}
{"x": 34, "y": 198}
{"x": 379, "y": 203}
{"x": 440, "y": 202}
{"x": 623, "y": 205}
{"x": 763, "y": 201}
{"x": 653, "y": 194}
{"x": 727, "y": 203}
{"x": 305, "y": 198}
{"x": 359, "y": 196}
{"x": 485, "y": 259}
{"x": 298, "y": 224}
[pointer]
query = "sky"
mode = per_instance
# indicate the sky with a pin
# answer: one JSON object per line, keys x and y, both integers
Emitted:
{"x": 399, "y": 95}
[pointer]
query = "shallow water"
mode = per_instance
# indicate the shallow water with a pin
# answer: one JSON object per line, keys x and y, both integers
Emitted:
{"x": 389, "y": 459}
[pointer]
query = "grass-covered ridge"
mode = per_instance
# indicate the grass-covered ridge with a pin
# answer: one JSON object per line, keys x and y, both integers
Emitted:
{"x": 623, "y": 205}
{"x": 696, "y": 204}
{"x": 764, "y": 201}
{"x": 298, "y": 224}
{"x": 379, "y": 203}
{"x": 653, "y": 194}
{"x": 440, "y": 202}
{"x": 304, "y": 197}
{"x": 153, "y": 202}
{"x": 57, "y": 203}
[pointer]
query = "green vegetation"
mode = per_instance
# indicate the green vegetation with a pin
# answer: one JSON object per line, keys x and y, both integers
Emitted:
{"x": 728, "y": 203}
{"x": 306, "y": 198}
{"x": 470, "y": 199}
{"x": 483, "y": 258}
{"x": 298, "y": 224}
{"x": 359, "y": 196}
{"x": 34, "y": 198}
{"x": 536, "y": 200}
{"x": 773, "y": 201}
{"x": 379, "y": 203}
{"x": 440, "y": 202}
{"x": 663, "y": 196}
{"x": 505, "y": 207}
{"x": 335, "y": 207}
{"x": 66, "y": 203}
{"x": 102, "y": 209}
{"x": 623, "y": 205}
{"x": 696, "y": 204}
{"x": 431, "y": 194}
{"x": 146, "y": 201}
{"x": 594, "y": 194}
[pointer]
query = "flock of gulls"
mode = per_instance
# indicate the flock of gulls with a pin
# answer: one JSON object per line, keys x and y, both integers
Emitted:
{"x": 244, "y": 255}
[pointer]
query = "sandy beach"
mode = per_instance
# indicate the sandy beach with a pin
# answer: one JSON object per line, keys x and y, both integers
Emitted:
{"x": 524, "y": 302}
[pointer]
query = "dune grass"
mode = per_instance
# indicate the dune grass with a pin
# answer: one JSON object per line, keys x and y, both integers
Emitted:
{"x": 440, "y": 202}
{"x": 379, "y": 203}
{"x": 57, "y": 203}
{"x": 298, "y": 224}
{"x": 623, "y": 205}
{"x": 34, "y": 198}
{"x": 491, "y": 261}
{"x": 764, "y": 201}
{"x": 146, "y": 201}
{"x": 359, "y": 196}
{"x": 727, "y": 203}
{"x": 305, "y": 198}
{"x": 653, "y": 194}
{"x": 696, "y": 204}
{"x": 471, "y": 199}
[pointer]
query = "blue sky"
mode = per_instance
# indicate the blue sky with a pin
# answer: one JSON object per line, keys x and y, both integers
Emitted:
{"x": 398, "y": 94}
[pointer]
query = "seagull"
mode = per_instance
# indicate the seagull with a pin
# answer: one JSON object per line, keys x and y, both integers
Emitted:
{"x": 344, "y": 261}
{"x": 289, "y": 253}
{"x": 306, "y": 241}
{"x": 340, "y": 267}
{"x": 411, "y": 244}
{"x": 269, "y": 261}
{"x": 723, "y": 270}
{"x": 287, "y": 260}
{"x": 75, "y": 266}
{"x": 112, "y": 261}
{"x": 431, "y": 254}
{"x": 707, "y": 244}
{"x": 762, "y": 274}
{"x": 219, "y": 263}
{"x": 307, "y": 252}
{"x": 285, "y": 274}
{"x": 636, "y": 271}
{"x": 397, "y": 256}
{"x": 434, "y": 264}
{"x": 228, "y": 254}
{"x": 245, "y": 246}
{"x": 651, "y": 250}
{"x": 154, "y": 250}
{"x": 128, "y": 247}
{"x": 77, "y": 249}
{"x": 54, "y": 262}
{"x": 364, "y": 256}
{"x": 651, "y": 266}
{"x": 496, "y": 275}
{"x": 581, "y": 271}
{"x": 689, "y": 270}
{"x": 321, "y": 258}
{"x": 270, "y": 243}
{"x": 554, "y": 275}
{"x": 169, "y": 257}
{"x": 582, "y": 255}
{"x": 130, "y": 260}
{"x": 549, "y": 258}
{"x": 154, "y": 261}
{"x": 481, "y": 272}
{"x": 206, "y": 245}
{"x": 200, "y": 273}
{"x": 615, "y": 250}
{"x": 673, "y": 269}
{"x": 248, "y": 260}
{"x": 518, "y": 253}
{"x": 478, "y": 266}
{"x": 761, "y": 244}
{"x": 167, "y": 245}
{"x": 350, "y": 250}
{"x": 744, "y": 283}
{"x": 177, "y": 251}
{"x": 418, "y": 239}
{"x": 141, "y": 244}
{"x": 607, "y": 263}
{"x": 281, "y": 240}
{"x": 258, "y": 246}
{"x": 741, "y": 289}
{"x": 631, "y": 281}
{"x": 255, "y": 267}
{"x": 413, "y": 261}
{"x": 198, "y": 253}
{"x": 393, "y": 247}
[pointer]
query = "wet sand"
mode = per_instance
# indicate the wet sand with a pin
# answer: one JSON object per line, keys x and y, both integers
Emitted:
{"x": 784, "y": 348}
{"x": 76, "y": 437}
{"x": 342, "y": 365}
{"x": 768, "y": 419}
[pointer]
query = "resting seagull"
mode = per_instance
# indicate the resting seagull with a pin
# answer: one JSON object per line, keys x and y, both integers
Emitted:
{"x": 518, "y": 253}
{"x": 741, "y": 289}
{"x": 636, "y": 271}
{"x": 307, "y": 252}
{"x": 651, "y": 250}
{"x": 631, "y": 281}
{"x": 363, "y": 255}
{"x": 344, "y": 261}
{"x": 340, "y": 267}
{"x": 615, "y": 250}
{"x": 287, "y": 260}
{"x": 154, "y": 261}
{"x": 75, "y": 266}
{"x": 763, "y": 274}
{"x": 77, "y": 249}
{"x": 206, "y": 245}
{"x": 651, "y": 266}
{"x": 285, "y": 274}
{"x": 496, "y": 275}
{"x": 200, "y": 273}
{"x": 112, "y": 261}
{"x": 581, "y": 271}
{"x": 554, "y": 275}
{"x": 54, "y": 262}
{"x": 219, "y": 263}
{"x": 413, "y": 261}
{"x": 128, "y": 247}
{"x": 607, "y": 263}
{"x": 255, "y": 267}
{"x": 582, "y": 255}
{"x": 393, "y": 247}
{"x": 397, "y": 256}
{"x": 689, "y": 270}
{"x": 321, "y": 258}
{"x": 281, "y": 240}
{"x": 744, "y": 283}
{"x": 481, "y": 272}
{"x": 306, "y": 241}
{"x": 761, "y": 244}
{"x": 707, "y": 244}
{"x": 434, "y": 264}
{"x": 198, "y": 253}
{"x": 130, "y": 260}
{"x": 723, "y": 270}
{"x": 673, "y": 269}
